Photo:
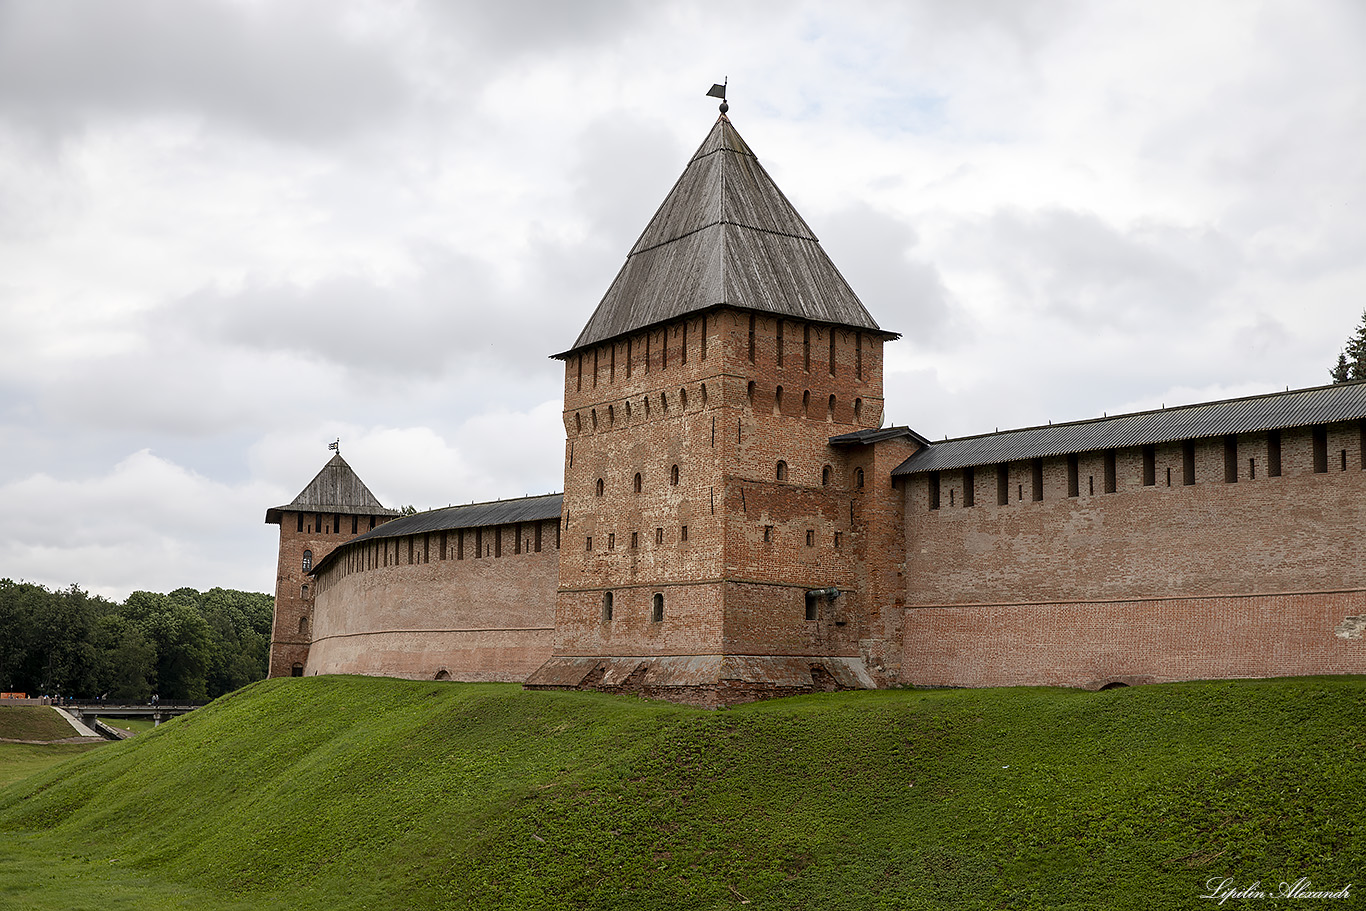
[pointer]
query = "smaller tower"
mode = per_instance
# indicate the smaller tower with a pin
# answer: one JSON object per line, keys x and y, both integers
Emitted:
{"x": 334, "y": 508}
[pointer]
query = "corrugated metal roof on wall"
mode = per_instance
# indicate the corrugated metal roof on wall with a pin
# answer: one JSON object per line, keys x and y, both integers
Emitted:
{"x": 1274, "y": 411}
{"x": 724, "y": 236}
{"x": 473, "y": 515}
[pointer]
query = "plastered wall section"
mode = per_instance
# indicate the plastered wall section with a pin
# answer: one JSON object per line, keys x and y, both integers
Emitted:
{"x": 481, "y": 618}
{"x": 1213, "y": 579}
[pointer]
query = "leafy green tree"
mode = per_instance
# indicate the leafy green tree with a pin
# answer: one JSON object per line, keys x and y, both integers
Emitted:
{"x": 126, "y": 659}
{"x": 1351, "y": 363}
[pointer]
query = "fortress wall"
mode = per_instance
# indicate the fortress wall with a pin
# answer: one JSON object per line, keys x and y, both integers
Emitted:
{"x": 1148, "y": 580}
{"x": 1090, "y": 644}
{"x": 485, "y": 617}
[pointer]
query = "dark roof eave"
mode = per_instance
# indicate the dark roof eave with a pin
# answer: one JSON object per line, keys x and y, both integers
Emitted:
{"x": 1248, "y": 414}
{"x": 275, "y": 514}
{"x": 868, "y": 437}
{"x": 884, "y": 334}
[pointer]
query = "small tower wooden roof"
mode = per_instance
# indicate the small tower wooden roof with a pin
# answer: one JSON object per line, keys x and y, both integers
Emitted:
{"x": 725, "y": 236}
{"x": 336, "y": 489}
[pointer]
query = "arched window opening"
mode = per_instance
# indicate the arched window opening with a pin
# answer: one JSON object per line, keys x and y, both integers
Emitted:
{"x": 682, "y": 398}
{"x": 749, "y": 392}
{"x": 646, "y": 400}
{"x": 637, "y": 482}
{"x": 606, "y": 606}
{"x": 594, "y": 415}
{"x": 308, "y": 560}
{"x": 296, "y": 671}
{"x": 611, "y": 415}
{"x": 782, "y": 470}
{"x": 673, "y": 476}
{"x": 600, "y": 487}
{"x": 825, "y": 476}
{"x": 442, "y": 674}
{"x": 806, "y": 404}
{"x": 778, "y": 400}
{"x": 704, "y": 392}
{"x": 858, "y": 477}
{"x": 657, "y": 608}
{"x": 858, "y": 408}
{"x": 628, "y": 410}
{"x": 303, "y": 626}
{"x": 303, "y": 591}
{"x": 830, "y": 409}
{"x": 664, "y": 402}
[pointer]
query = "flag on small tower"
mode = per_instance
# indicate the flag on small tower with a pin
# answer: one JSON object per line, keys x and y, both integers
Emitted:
{"x": 336, "y": 445}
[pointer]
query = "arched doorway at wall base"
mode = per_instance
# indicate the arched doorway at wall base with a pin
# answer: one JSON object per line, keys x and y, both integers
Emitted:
{"x": 1111, "y": 683}
{"x": 442, "y": 674}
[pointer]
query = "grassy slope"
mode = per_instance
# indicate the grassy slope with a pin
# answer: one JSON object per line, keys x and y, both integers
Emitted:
{"x": 362, "y": 793}
{"x": 135, "y": 725}
{"x": 33, "y": 722}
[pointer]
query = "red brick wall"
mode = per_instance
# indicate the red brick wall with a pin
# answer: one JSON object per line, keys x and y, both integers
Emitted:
{"x": 477, "y": 618}
{"x": 1198, "y": 548}
{"x": 289, "y": 643}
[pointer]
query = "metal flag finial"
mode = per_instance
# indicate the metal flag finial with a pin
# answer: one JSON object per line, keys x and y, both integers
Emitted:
{"x": 719, "y": 91}
{"x": 336, "y": 446}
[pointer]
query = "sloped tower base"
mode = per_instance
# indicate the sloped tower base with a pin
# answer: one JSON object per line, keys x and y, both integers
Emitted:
{"x": 709, "y": 681}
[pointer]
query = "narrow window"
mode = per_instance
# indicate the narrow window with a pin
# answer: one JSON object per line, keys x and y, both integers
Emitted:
{"x": 647, "y": 358}
{"x": 1188, "y": 462}
{"x": 308, "y": 560}
{"x": 704, "y": 343}
{"x": 303, "y": 626}
{"x": 336, "y": 525}
{"x": 1090, "y": 485}
{"x": 1003, "y": 484}
{"x": 595, "y": 368}
{"x": 303, "y": 591}
{"x": 629, "y": 358}
{"x": 1110, "y": 473}
{"x": 1036, "y": 471}
{"x": 768, "y": 534}
{"x": 683, "y": 399}
{"x": 825, "y": 476}
{"x": 934, "y": 490}
{"x": 782, "y": 470}
{"x": 806, "y": 349}
{"x": 612, "y": 365}
{"x": 443, "y": 544}
{"x": 664, "y": 402}
{"x": 832, "y": 350}
{"x": 749, "y": 392}
{"x": 830, "y": 409}
{"x": 1320, "y": 449}
{"x": 611, "y": 415}
{"x": 355, "y": 524}
{"x": 626, "y": 410}
{"x": 751, "y": 338}
{"x": 969, "y": 487}
{"x": 606, "y": 607}
{"x": 858, "y": 408}
{"x": 538, "y": 537}
{"x": 812, "y": 605}
{"x": 635, "y": 540}
{"x": 704, "y": 395}
{"x": 1149, "y": 466}
{"x": 612, "y": 541}
{"x": 517, "y": 539}
{"x": 498, "y": 541}
{"x": 858, "y": 477}
{"x": 578, "y": 422}
{"x": 1230, "y": 459}
{"x": 410, "y": 550}
{"x": 1344, "y": 460}
{"x": 1252, "y": 469}
{"x": 657, "y": 608}
{"x": 659, "y": 537}
{"x": 1072, "y": 475}
{"x": 301, "y": 522}
{"x": 806, "y": 404}
{"x": 599, "y": 487}
{"x": 673, "y": 476}
{"x": 778, "y": 400}
{"x": 683, "y": 345}
{"x": 1273, "y": 453}
{"x": 588, "y": 543}
{"x": 810, "y": 537}
{"x": 296, "y": 671}
{"x": 683, "y": 533}
{"x": 858, "y": 355}
{"x": 664, "y": 349}
{"x": 837, "y": 541}
{"x": 637, "y": 482}
{"x": 459, "y": 545}
{"x": 951, "y": 495}
{"x": 780, "y": 343}
{"x": 578, "y": 387}
{"x": 372, "y": 523}
{"x": 594, "y": 415}
{"x": 1169, "y": 476}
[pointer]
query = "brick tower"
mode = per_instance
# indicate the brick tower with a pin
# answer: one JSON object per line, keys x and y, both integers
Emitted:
{"x": 722, "y": 408}
{"x": 334, "y": 508}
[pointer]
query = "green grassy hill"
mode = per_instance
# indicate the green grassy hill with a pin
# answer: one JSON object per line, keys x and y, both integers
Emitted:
{"x": 342, "y": 793}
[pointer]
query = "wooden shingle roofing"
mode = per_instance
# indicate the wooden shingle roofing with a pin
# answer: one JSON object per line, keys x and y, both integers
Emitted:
{"x": 336, "y": 489}
{"x": 725, "y": 236}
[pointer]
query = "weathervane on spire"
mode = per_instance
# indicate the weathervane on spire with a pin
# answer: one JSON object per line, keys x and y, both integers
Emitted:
{"x": 336, "y": 446}
{"x": 719, "y": 91}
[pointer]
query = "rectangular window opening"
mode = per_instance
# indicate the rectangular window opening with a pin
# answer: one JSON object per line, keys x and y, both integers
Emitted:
{"x": 751, "y": 338}
{"x": 768, "y": 534}
{"x": 538, "y": 537}
{"x": 1188, "y": 463}
{"x": 659, "y": 537}
{"x": 780, "y": 343}
{"x": 934, "y": 489}
{"x": 1320, "y": 450}
{"x": 1003, "y": 484}
{"x": 1111, "y": 475}
{"x": 1072, "y": 473}
{"x": 969, "y": 487}
{"x": 683, "y": 533}
{"x": 1037, "y": 478}
{"x": 1230, "y": 459}
{"x": 1273, "y": 454}
{"x": 810, "y": 537}
{"x": 635, "y": 540}
{"x": 498, "y": 541}
{"x": 1149, "y": 466}
{"x": 838, "y": 540}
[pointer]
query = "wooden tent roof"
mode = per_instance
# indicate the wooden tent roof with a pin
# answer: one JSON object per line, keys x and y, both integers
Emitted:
{"x": 336, "y": 489}
{"x": 724, "y": 236}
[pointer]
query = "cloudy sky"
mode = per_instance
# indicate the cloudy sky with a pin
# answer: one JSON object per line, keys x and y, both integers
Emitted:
{"x": 232, "y": 232}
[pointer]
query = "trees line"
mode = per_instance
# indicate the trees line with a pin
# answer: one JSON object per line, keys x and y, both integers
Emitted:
{"x": 181, "y": 645}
